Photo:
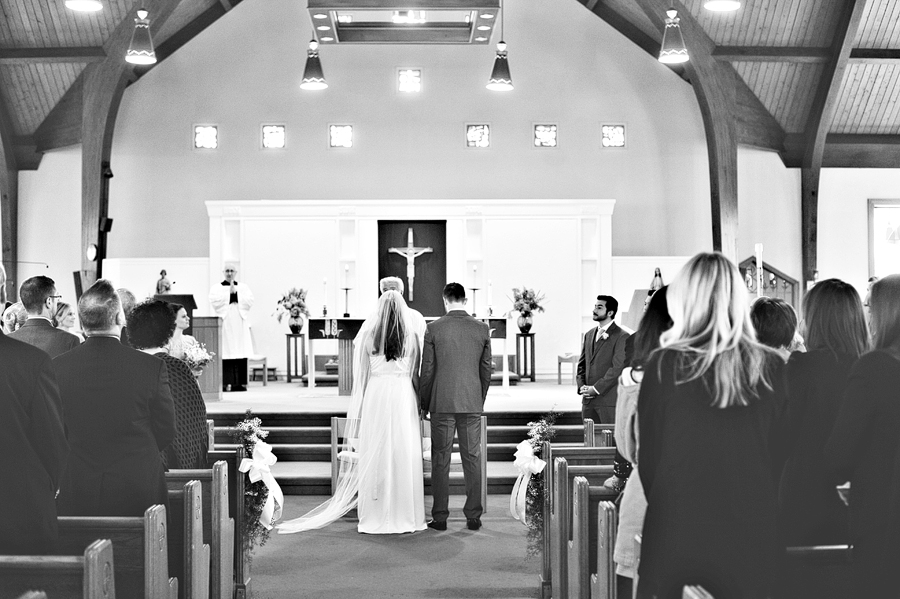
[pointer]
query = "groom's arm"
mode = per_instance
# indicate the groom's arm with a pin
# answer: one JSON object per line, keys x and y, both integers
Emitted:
{"x": 426, "y": 375}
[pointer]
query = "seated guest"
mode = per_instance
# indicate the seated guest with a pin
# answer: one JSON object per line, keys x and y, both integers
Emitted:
{"x": 34, "y": 448}
{"x": 151, "y": 324}
{"x": 836, "y": 336}
{"x": 655, "y": 321}
{"x": 709, "y": 413}
{"x": 863, "y": 446}
{"x": 118, "y": 413}
{"x": 64, "y": 319}
{"x": 14, "y": 316}
{"x": 38, "y": 295}
{"x": 776, "y": 324}
{"x": 179, "y": 341}
{"x": 128, "y": 302}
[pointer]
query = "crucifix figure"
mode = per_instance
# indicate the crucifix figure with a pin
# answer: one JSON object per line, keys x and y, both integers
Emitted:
{"x": 410, "y": 252}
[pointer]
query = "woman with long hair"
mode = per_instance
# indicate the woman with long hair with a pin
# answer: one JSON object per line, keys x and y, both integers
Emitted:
{"x": 709, "y": 414}
{"x": 863, "y": 446}
{"x": 381, "y": 464}
{"x": 633, "y": 504}
{"x": 179, "y": 341}
{"x": 836, "y": 336}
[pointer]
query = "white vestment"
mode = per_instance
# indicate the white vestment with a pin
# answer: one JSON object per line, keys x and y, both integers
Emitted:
{"x": 236, "y": 340}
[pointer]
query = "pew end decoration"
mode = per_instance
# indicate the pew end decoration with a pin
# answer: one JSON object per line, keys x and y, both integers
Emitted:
{"x": 263, "y": 498}
{"x": 197, "y": 357}
{"x": 531, "y": 482}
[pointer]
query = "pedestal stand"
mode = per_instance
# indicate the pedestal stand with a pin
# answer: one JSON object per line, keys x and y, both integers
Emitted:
{"x": 474, "y": 291}
{"x": 346, "y": 301}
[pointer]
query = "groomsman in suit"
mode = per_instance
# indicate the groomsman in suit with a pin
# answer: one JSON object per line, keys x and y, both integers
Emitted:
{"x": 453, "y": 384}
{"x": 119, "y": 415}
{"x": 33, "y": 443}
{"x": 38, "y": 295}
{"x": 601, "y": 362}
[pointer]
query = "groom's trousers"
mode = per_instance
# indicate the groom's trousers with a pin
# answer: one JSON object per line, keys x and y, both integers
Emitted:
{"x": 468, "y": 430}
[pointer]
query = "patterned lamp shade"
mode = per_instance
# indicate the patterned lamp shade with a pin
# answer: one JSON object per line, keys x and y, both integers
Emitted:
{"x": 501, "y": 80}
{"x": 673, "y": 49}
{"x": 140, "y": 51}
{"x": 313, "y": 77}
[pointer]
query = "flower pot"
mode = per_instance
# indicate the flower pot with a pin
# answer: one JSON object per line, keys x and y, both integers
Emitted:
{"x": 296, "y": 325}
{"x": 525, "y": 321}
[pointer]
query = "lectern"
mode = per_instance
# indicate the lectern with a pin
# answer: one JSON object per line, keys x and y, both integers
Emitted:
{"x": 185, "y": 300}
{"x": 342, "y": 329}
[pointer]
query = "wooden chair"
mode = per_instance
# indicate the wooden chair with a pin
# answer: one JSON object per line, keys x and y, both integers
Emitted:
{"x": 571, "y": 359}
{"x": 88, "y": 575}
{"x": 188, "y": 555}
{"x": 218, "y": 526}
{"x": 235, "y": 480}
{"x": 141, "y": 548}
{"x": 257, "y": 359}
{"x": 599, "y": 435}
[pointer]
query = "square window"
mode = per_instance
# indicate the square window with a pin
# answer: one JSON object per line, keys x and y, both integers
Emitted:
{"x": 545, "y": 136}
{"x": 340, "y": 136}
{"x": 409, "y": 80}
{"x": 273, "y": 136}
{"x": 206, "y": 137}
{"x": 612, "y": 136}
{"x": 478, "y": 136}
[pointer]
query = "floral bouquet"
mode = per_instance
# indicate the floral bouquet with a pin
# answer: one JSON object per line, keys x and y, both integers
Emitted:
{"x": 292, "y": 303}
{"x": 197, "y": 357}
{"x": 526, "y": 301}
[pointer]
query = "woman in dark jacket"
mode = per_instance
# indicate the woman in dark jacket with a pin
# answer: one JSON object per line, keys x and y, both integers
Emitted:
{"x": 150, "y": 326}
{"x": 836, "y": 336}
{"x": 864, "y": 443}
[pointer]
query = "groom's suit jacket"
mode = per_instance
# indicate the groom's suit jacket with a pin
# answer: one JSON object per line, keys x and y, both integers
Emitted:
{"x": 601, "y": 363}
{"x": 43, "y": 335}
{"x": 456, "y": 365}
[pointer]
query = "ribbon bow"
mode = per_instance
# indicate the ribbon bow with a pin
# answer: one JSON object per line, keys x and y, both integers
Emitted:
{"x": 258, "y": 469}
{"x": 527, "y": 464}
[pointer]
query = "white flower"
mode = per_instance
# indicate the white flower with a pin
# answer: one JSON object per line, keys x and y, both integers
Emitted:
{"x": 604, "y": 335}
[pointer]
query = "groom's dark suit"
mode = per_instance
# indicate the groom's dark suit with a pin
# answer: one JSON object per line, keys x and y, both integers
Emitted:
{"x": 454, "y": 381}
{"x": 600, "y": 365}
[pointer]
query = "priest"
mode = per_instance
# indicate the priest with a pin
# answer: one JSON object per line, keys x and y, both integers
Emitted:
{"x": 232, "y": 301}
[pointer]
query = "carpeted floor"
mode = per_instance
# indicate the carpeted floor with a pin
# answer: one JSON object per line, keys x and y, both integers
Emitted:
{"x": 337, "y": 562}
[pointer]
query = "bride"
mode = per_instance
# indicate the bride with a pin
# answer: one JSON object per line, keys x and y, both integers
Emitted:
{"x": 381, "y": 464}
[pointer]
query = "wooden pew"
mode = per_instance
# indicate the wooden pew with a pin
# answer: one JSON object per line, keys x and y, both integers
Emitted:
{"x": 89, "y": 575}
{"x": 599, "y": 435}
{"x": 142, "y": 554}
{"x": 592, "y": 568}
{"x": 236, "y": 508}
{"x": 822, "y": 571}
{"x": 561, "y": 516}
{"x": 218, "y": 526}
{"x": 574, "y": 456}
{"x": 189, "y": 556}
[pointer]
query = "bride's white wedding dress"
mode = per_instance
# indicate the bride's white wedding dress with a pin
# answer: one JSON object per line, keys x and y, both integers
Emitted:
{"x": 391, "y": 487}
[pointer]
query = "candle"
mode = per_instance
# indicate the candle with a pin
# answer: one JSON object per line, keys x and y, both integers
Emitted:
{"x": 325, "y": 290}
{"x": 490, "y": 294}
{"x": 346, "y": 274}
{"x": 474, "y": 275}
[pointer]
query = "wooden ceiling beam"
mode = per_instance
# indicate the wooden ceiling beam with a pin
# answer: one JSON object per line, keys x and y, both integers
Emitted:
{"x": 771, "y": 54}
{"x": 9, "y": 207}
{"x": 32, "y": 55}
{"x": 816, "y": 131}
{"x": 848, "y": 151}
{"x": 874, "y": 55}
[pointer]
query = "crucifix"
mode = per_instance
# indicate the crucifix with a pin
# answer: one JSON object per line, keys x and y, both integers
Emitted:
{"x": 410, "y": 252}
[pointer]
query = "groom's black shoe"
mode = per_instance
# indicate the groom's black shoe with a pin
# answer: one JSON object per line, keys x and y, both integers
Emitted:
{"x": 437, "y": 525}
{"x": 473, "y": 523}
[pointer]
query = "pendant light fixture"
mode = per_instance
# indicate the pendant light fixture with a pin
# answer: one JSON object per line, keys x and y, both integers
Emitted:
{"x": 140, "y": 51}
{"x": 84, "y": 5}
{"x": 501, "y": 80}
{"x": 313, "y": 77}
{"x": 721, "y": 5}
{"x": 673, "y": 49}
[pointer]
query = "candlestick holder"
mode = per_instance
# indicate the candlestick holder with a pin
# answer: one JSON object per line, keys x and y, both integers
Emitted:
{"x": 474, "y": 291}
{"x": 346, "y": 301}
{"x": 325, "y": 311}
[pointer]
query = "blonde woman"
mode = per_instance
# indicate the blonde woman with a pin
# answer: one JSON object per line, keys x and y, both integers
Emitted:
{"x": 710, "y": 411}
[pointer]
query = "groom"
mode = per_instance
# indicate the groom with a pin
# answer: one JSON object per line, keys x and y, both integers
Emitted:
{"x": 454, "y": 381}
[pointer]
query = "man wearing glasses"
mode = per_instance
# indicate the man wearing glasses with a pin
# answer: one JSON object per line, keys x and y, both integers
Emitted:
{"x": 38, "y": 295}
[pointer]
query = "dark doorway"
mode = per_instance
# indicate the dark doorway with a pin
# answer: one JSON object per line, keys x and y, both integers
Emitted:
{"x": 430, "y": 267}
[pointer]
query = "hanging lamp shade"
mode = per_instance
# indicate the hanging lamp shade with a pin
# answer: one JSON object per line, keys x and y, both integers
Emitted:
{"x": 673, "y": 49}
{"x": 84, "y": 5}
{"x": 140, "y": 51}
{"x": 313, "y": 77}
{"x": 501, "y": 80}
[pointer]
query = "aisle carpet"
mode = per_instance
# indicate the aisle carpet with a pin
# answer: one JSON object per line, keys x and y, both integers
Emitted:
{"x": 339, "y": 563}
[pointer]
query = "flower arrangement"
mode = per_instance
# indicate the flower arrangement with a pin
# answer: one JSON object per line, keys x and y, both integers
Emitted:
{"x": 539, "y": 431}
{"x": 292, "y": 303}
{"x": 526, "y": 301}
{"x": 253, "y": 533}
{"x": 197, "y": 356}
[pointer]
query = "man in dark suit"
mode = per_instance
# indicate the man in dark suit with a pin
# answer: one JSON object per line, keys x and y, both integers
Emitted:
{"x": 119, "y": 415}
{"x": 34, "y": 449}
{"x": 38, "y": 295}
{"x": 453, "y": 384}
{"x": 601, "y": 362}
